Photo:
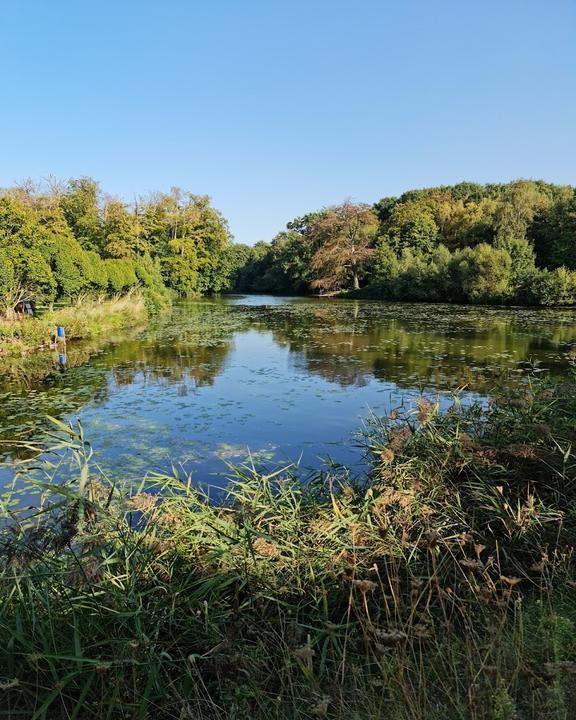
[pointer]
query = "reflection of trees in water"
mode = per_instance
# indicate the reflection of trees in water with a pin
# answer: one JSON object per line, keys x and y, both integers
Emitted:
{"x": 443, "y": 348}
{"x": 189, "y": 348}
{"x": 187, "y": 351}
{"x": 179, "y": 363}
{"x": 23, "y": 414}
{"x": 35, "y": 386}
{"x": 347, "y": 343}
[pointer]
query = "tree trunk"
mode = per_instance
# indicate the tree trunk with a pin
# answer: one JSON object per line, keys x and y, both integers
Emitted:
{"x": 355, "y": 281}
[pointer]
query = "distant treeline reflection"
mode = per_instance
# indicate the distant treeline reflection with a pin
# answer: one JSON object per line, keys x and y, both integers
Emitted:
{"x": 347, "y": 343}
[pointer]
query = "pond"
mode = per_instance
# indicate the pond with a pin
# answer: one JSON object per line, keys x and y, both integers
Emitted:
{"x": 273, "y": 380}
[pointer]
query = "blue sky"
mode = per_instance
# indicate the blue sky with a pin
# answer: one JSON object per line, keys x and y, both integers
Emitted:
{"x": 278, "y": 108}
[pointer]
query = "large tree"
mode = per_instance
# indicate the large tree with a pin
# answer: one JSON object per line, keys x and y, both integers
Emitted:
{"x": 344, "y": 236}
{"x": 120, "y": 230}
{"x": 411, "y": 225}
{"x": 80, "y": 203}
{"x": 520, "y": 202}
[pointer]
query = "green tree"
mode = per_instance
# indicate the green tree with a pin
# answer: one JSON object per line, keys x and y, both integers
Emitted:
{"x": 94, "y": 270}
{"x": 463, "y": 224}
{"x": 67, "y": 268}
{"x": 411, "y": 225}
{"x": 292, "y": 253}
{"x": 18, "y": 223}
{"x": 384, "y": 207}
{"x": 32, "y": 272}
{"x": 80, "y": 205}
{"x": 554, "y": 232}
{"x": 120, "y": 231}
{"x": 516, "y": 210}
{"x": 235, "y": 257}
{"x": 482, "y": 274}
{"x": 189, "y": 237}
{"x": 258, "y": 275}
{"x": 554, "y": 287}
{"x": 523, "y": 261}
{"x": 121, "y": 274}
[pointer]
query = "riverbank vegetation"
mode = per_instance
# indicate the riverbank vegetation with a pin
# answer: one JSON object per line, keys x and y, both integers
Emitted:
{"x": 64, "y": 240}
{"x": 85, "y": 319}
{"x": 508, "y": 243}
{"x": 511, "y": 243}
{"x": 440, "y": 585}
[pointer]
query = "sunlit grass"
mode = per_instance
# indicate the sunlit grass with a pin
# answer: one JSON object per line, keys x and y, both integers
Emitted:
{"x": 87, "y": 318}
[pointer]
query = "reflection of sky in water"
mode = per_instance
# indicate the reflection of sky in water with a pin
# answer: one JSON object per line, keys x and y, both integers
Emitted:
{"x": 282, "y": 380}
{"x": 260, "y": 404}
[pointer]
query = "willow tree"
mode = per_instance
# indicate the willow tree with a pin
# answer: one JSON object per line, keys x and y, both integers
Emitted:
{"x": 344, "y": 236}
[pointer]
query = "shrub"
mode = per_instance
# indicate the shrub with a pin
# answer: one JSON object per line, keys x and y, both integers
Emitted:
{"x": 94, "y": 270}
{"x": 556, "y": 287}
{"x": 121, "y": 274}
{"x": 481, "y": 274}
{"x": 33, "y": 272}
{"x": 67, "y": 271}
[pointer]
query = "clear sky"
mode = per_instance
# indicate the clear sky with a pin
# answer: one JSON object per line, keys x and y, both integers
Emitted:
{"x": 277, "y": 108}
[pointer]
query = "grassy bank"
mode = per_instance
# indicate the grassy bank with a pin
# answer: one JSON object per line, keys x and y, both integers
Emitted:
{"x": 441, "y": 586}
{"x": 86, "y": 319}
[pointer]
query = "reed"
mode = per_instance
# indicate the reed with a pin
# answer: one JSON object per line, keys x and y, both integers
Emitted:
{"x": 441, "y": 585}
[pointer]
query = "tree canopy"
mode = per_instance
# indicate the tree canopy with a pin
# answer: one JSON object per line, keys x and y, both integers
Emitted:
{"x": 494, "y": 243}
{"x": 69, "y": 238}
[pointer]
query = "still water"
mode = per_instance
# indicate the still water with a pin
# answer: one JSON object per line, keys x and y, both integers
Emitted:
{"x": 275, "y": 379}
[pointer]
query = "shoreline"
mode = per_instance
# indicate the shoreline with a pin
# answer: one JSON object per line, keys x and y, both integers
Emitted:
{"x": 85, "y": 320}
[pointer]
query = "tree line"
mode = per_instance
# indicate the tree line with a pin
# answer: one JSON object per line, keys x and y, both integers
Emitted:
{"x": 509, "y": 243}
{"x": 59, "y": 240}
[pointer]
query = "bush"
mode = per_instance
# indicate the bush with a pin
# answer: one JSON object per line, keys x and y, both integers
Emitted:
{"x": 94, "y": 270}
{"x": 121, "y": 274}
{"x": 156, "y": 300}
{"x": 481, "y": 274}
{"x": 67, "y": 271}
{"x": 148, "y": 272}
{"x": 557, "y": 287}
{"x": 33, "y": 272}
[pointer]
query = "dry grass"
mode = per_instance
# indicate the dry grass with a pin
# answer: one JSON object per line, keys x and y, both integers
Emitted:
{"x": 87, "y": 318}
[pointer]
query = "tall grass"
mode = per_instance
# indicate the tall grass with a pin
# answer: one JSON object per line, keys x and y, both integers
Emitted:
{"x": 87, "y": 318}
{"x": 441, "y": 586}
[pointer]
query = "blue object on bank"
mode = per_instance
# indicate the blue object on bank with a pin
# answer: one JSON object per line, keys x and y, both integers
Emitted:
{"x": 60, "y": 331}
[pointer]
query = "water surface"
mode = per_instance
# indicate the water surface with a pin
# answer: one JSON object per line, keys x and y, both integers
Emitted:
{"x": 274, "y": 379}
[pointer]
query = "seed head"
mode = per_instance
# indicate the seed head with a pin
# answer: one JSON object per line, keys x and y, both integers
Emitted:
{"x": 510, "y": 581}
{"x": 304, "y": 653}
{"x": 320, "y": 709}
{"x": 364, "y": 586}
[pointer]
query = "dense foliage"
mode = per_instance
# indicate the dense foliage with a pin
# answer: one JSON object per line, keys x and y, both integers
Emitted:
{"x": 496, "y": 243}
{"x": 66, "y": 240}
